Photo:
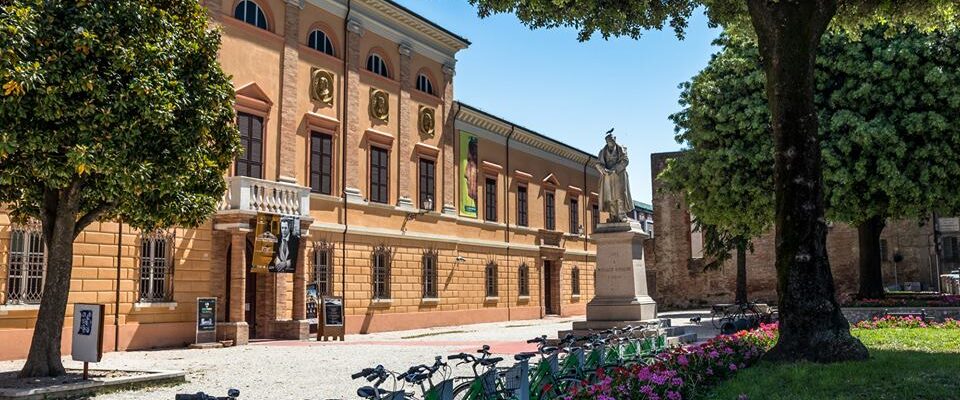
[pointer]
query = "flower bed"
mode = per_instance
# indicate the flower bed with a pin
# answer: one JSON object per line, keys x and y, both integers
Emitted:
{"x": 947, "y": 300}
{"x": 906, "y": 322}
{"x": 679, "y": 372}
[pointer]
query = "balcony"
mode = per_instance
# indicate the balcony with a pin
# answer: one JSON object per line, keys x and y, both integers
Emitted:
{"x": 260, "y": 196}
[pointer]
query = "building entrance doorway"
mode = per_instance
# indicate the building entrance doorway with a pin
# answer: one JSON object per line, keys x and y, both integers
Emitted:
{"x": 549, "y": 291}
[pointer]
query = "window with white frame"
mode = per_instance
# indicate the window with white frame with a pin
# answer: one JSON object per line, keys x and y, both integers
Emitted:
{"x": 251, "y": 13}
{"x": 319, "y": 41}
{"x": 26, "y": 264}
{"x": 381, "y": 273}
{"x": 424, "y": 85}
{"x": 156, "y": 266}
{"x": 376, "y": 65}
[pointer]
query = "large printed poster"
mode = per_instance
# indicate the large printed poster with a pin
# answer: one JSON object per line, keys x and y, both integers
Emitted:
{"x": 277, "y": 243}
{"x": 469, "y": 174}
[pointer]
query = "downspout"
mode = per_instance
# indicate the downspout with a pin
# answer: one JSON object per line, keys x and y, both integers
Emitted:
{"x": 343, "y": 161}
{"x": 116, "y": 306}
{"x": 506, "y": 216}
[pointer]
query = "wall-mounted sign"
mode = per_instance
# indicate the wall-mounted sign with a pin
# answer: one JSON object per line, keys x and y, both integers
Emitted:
{"x": 313, "y": 303}
{"x": 332, "y": 311}
{"x": 276, "y": 247}
{"x": 469, "y": 174}
{"x": 87, "y": 345}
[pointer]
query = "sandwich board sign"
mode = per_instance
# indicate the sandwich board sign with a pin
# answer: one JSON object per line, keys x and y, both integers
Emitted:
{"x": 206, "y": 319}
{"x": 87, "y": 345}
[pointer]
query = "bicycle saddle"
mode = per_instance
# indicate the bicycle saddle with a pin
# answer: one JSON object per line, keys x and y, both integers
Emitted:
{"x": 369, "y": 392}
{"x": 490, "y": 361}
{"x": 549, "y": 349}
{"x": 524, "y": 356}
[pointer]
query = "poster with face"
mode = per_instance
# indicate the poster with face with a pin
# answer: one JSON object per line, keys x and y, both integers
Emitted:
{"x": 313, "y": 303}
{"x": 287, "y": 247}
{"x": 469, "y": 174}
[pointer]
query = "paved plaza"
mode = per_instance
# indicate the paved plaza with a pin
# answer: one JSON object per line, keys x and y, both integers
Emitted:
{"x": 321, "y": 370}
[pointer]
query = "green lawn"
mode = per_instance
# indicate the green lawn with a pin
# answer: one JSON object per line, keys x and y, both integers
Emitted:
{"x": 904, "y": 364}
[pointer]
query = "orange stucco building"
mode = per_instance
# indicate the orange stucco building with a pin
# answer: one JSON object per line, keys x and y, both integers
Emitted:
{"x": 416, "y": 209}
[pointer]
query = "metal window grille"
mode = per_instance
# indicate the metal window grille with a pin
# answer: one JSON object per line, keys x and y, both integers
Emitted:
{"x": 320, "y": 41}
{"x": 430, "y": 274}
{"x": 490, "y": 199}
{"x": 490, "y": 272}
{"x": 550, "y": 217}
{"x": 323, "y": 268}
{"x": 575, "y": 280}
{"x": 524, "y": 280}
{"x": 522, "y": 205}
{"x": 156, "y": 266}
{"x": 26, "y": 265}
{"x": 381, "y": 273}
{"x": 321, "y": 162}
{"x": 574, "y": 216}
{"x": 595, "y": 216}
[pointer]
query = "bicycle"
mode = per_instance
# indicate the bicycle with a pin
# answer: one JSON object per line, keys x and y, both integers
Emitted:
{"x": 378, "y": 375}
{"x": 232, "y": 394}
{"x": 422, "y": 375}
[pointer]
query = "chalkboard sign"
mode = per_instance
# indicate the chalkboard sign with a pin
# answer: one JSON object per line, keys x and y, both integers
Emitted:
{"x": 206, "y": 314}
{"x": 332, "y": 311}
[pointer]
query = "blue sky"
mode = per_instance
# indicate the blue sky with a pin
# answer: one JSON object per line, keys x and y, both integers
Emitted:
{"x": 547, "y": 81}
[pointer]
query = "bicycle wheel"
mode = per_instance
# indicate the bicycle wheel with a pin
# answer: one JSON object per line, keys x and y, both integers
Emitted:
{"x": 462, "y": 391}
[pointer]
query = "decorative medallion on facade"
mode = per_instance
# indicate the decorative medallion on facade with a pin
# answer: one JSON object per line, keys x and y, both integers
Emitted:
{"x": 426, "y": 121}
{"x": 379, "y": 105}
{"x": 321, "y": 86}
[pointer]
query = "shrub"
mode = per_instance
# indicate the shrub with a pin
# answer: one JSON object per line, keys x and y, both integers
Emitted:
{"x": 905, "y": 322}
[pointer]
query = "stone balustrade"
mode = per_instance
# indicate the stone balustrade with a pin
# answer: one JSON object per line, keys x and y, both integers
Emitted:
{"x": 258, "y": 195}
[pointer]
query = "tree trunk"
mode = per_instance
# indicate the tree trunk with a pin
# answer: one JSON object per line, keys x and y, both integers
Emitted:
{"x": 59, "y": 224}
{"x": 741, "y": 297}
{"x": 871, "y": 275}
{"x": 811, "y": 325}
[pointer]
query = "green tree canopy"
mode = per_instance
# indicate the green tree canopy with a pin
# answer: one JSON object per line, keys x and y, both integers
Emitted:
{"x": 890, "y": 135}
{"x": 108, "y": 109}
{"x": 788, "y": 34}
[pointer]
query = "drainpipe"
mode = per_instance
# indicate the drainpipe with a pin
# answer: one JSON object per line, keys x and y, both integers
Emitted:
{"x": 116, "y": 306}
{"x": 343, "y": 161}
{"x": 506, "y": 215}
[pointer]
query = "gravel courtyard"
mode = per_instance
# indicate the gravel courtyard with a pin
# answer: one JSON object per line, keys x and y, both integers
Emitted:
{"x": 317, "y": 370}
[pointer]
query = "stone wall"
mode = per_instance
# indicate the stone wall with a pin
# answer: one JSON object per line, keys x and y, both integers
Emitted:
{"x": 681, "y": 280}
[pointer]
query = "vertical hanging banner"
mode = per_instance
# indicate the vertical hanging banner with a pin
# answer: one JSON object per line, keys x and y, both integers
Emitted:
{"x": 287, "y": 247}
{"x": 469, "y": 174}
{"x": 313, "y": 303}
{"x": 87, "y": 332}
{"x": 264, "y": 241}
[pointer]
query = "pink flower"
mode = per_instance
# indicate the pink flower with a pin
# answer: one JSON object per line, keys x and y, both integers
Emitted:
{"x": 733, "y": 367}
{"x": 677, "y": 381}
{"x": 671, "y": 395}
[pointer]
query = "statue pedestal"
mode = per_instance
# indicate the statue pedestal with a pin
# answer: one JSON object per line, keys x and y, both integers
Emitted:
{"x": 621, "y": 296}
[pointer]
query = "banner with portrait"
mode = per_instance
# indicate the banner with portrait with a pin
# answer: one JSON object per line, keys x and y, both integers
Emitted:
{"x": 469, "y": 174}
{"x": 276, "y": 246}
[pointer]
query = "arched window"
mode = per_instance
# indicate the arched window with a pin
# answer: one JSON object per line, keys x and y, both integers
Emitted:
{"x": 319, "y": 41}
{"x": 524, "y": 280}
{"x": 381, "y": 273}
{"x": 376, "y": 65}
{"x": 251, "y": 13}
{"x": 575, "y": 281}
{"x": 424, "y": 85}
{"x": 490, "y": 274}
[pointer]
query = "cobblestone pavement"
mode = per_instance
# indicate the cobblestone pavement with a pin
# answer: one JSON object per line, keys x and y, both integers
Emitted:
{"x": 317, "y": 370}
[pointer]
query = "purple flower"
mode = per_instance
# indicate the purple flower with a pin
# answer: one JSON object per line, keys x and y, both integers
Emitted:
{"x": 682, "y": 360}
{"x": 671, "y": 395}
{"x": 733, "y": 367}
{"x": 713, "y": 354}
{"x": 647, "y": 390}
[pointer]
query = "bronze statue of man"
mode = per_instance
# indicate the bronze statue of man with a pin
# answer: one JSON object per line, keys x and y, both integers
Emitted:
{"x": 615, "y": 196}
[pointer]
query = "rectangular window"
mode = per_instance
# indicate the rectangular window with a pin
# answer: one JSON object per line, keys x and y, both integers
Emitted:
{"x": 575, "y": 281}
{"x": 524, "y": 280}
{"x": 490, "y": 199}
{"x": 381, "y": 274}
{"x": 575, "y": 216}
{"x": 156, "y": 267}
{"x": 491, "y": 280}
{"x": 26, "y": 266}
{"x": 430, "y": 275}
{"x": 250, "y": 162}
{"x": 321, "y": 163}
{"x": 427, "y": 184}
{"x": 951, "y": 252}
{"x": 379, "y": 175}
{"x": 594, "y": 216}
{"x": 522, "y": 205}
{"x": 323, "y": 271}
{"x": 549, "y": 212}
